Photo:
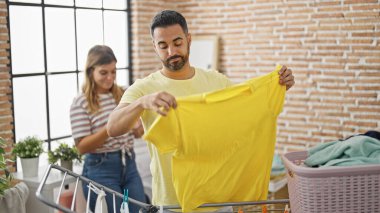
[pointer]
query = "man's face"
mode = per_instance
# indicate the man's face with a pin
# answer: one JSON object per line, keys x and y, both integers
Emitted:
{"x": 172, "y": 46}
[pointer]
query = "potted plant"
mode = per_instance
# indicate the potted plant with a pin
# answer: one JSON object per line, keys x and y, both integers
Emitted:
{"x": 65, "y": 154}
{"x": 5, "y": 177}
{"x": 29, "y": 150}
{"x": 13, "y": 194}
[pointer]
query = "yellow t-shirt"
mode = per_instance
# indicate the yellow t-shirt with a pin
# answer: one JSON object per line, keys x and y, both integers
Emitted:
{"x": 203, "y": 81}
{"x": 222, "y": 143}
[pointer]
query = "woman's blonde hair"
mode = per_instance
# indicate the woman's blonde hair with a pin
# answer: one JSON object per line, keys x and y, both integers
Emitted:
{"x": 98, "y": 55}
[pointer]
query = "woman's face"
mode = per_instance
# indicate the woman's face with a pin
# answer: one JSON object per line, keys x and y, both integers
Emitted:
{"x": 104, "y": 77}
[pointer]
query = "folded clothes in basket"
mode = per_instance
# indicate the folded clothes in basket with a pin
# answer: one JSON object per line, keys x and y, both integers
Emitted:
{"x": 356, "y": 150}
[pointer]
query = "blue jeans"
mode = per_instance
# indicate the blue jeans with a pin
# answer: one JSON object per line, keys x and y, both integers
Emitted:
{"x": 107, "y": 170}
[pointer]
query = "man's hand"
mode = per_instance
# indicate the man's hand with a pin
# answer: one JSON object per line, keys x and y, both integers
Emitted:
{"x": 286, "y": 77}
{"x": 159, "y": 102}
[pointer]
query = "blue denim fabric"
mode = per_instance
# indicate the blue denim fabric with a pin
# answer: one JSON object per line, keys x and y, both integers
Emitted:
{"x": 107, "y": 169}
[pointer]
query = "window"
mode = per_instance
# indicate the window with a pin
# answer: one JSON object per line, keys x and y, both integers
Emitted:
{"x": 49, "y": 44}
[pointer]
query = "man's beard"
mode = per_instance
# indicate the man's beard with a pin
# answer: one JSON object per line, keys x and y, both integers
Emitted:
{"x": 178, "y": 64}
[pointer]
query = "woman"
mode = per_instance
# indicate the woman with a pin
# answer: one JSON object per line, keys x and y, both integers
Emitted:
{"x": 108, "y": 161}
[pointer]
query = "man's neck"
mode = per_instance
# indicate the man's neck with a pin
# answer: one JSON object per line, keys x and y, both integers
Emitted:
{"x": 186, "y": 72}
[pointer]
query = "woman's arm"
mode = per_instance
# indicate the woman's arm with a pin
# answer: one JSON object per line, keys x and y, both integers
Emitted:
{"x": 92, "y": 142}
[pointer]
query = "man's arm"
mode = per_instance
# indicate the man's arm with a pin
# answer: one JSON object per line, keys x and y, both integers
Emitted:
{"x": 125, "y": 115}
{"x": 123, "y": 118}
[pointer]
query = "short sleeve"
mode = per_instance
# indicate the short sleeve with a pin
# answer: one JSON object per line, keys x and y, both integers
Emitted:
{"x": 164, "y": 133}
{"x": 223, "y": 79}
{"x": 132, "y": 93}
{"x": 80, "y": 121}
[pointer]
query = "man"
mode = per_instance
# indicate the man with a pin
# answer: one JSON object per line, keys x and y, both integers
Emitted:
{"x": 156, "y": 93}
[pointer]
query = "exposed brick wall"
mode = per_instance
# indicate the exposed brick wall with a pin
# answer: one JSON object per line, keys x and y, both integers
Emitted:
{"x": 6, "y": 118}
{"x": 332, "y": 46}
{"x": 144, "y": 58}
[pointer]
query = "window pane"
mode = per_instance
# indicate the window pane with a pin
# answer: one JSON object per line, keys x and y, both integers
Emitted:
{"x": 60, "y": 2}
{"x": 60, "y": 39}
{"x": 115, "y": 4}
{"x": 122, "y": 78}
{"x": 115, "y": 35}
{"x": 62, "y": 90}
{"x": 27, "y": 41}
{"x": 89, "y": 31}
{"x": 30, "y": 107}
{"x": 81, "y": 80}
{"x": 89, "y": 3}
{"x": 43, "y": 157}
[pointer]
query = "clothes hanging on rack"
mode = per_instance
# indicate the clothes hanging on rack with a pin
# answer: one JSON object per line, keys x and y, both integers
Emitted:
{"x": 101, "y": 204}
{"x": 124, "y": 208}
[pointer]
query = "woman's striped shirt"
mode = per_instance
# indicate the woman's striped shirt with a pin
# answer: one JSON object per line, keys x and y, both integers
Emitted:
{"x": 84, "y": 124}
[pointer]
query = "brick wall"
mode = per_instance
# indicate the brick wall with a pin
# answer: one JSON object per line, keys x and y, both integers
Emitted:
{"x": 332, "y": 46}
{"x": 144, "y": 58}
{"x": 6, "y": 118}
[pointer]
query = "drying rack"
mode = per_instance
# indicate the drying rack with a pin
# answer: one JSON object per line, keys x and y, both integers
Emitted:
{"x": 145, "y": 208}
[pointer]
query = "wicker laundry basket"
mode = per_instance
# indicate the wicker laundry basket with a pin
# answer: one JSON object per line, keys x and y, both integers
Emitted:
{"x": 349, "y": 189}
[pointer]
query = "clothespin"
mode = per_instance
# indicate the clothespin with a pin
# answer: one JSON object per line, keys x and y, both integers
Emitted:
{"x": 124, "y": 206}
{"x": 125, "y": 197}
{"x": 286, "y": 209}
{"x": 264, "y": 209}
{"x": 240, "y": 210}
